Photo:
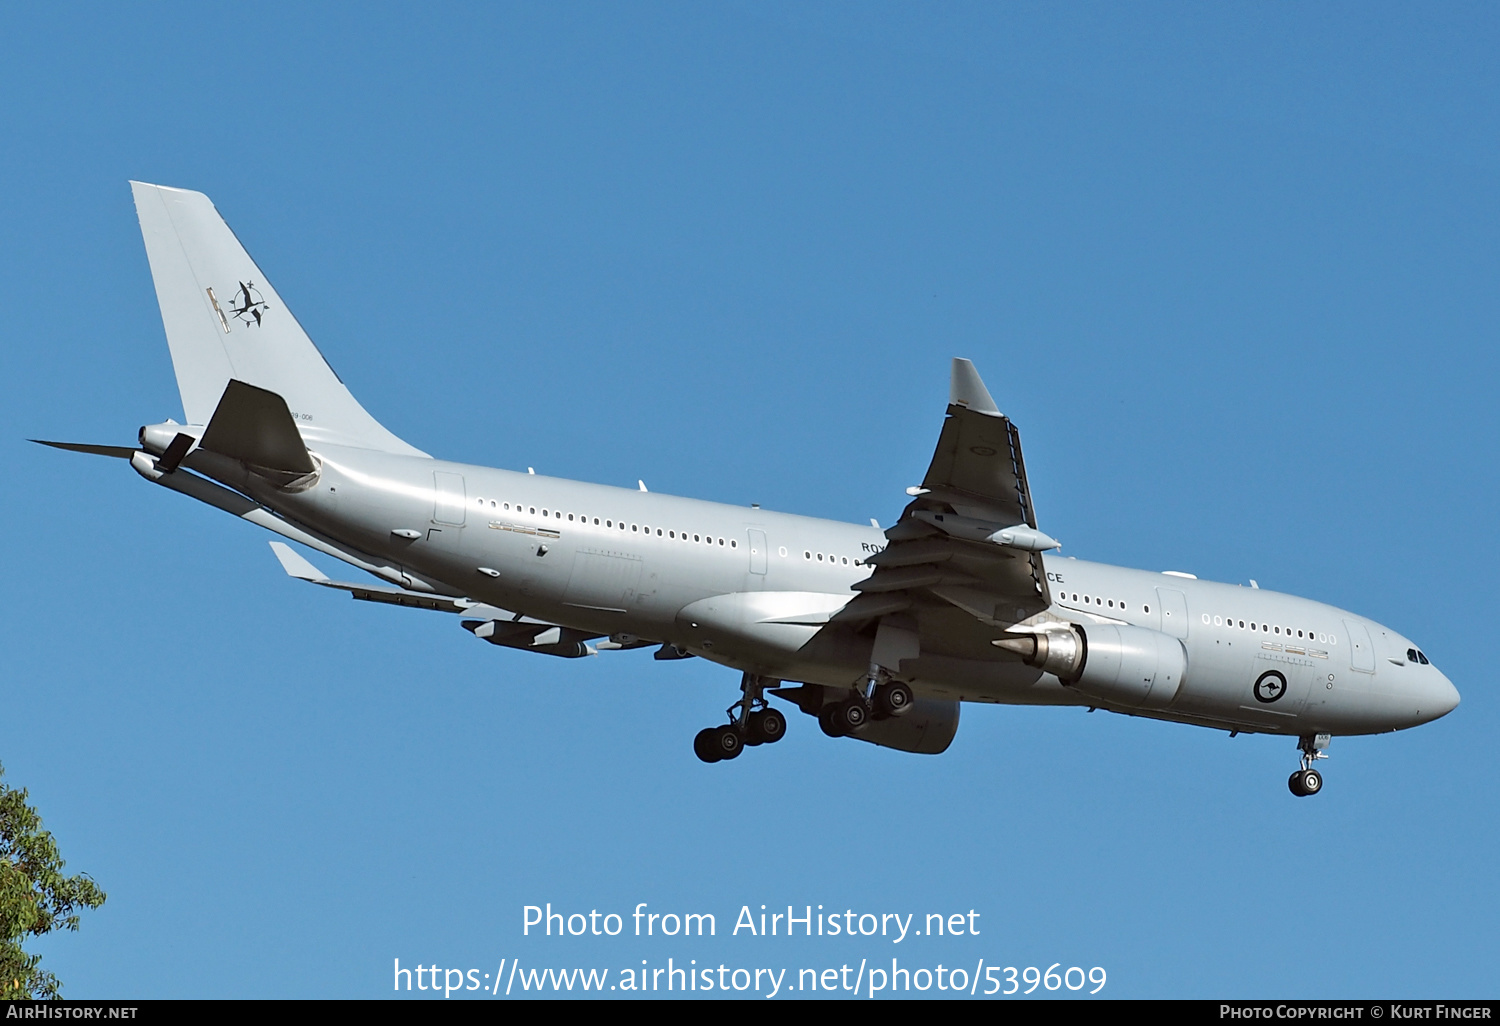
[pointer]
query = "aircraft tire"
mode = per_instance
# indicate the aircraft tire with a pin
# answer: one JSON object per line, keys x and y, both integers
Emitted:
{"x": 1304, "y": 783}
{"x": 850, "y": 715}
{"x": 893, "y": 699}
{"x": 703, "y": 745}
{"x": 765, "y": 727}
{"x": 727, "y": 742}
{"x": 825, "y": 721}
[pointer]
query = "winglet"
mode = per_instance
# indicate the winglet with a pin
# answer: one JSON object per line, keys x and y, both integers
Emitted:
{"x": 967, "y": 390}
{"x": 295, "y": 565}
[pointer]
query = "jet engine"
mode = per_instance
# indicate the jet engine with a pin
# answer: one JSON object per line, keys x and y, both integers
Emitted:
{"x": 1118, "y": 664}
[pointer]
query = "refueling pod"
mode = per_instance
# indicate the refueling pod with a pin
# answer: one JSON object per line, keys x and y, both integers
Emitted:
{"x": 1117, "y": 664}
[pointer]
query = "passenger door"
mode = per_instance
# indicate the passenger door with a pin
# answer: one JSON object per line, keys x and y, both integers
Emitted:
{"x": 1174, "y": 612}
{"x": 1361, "y": 652}
{"x": 757, "y": 551}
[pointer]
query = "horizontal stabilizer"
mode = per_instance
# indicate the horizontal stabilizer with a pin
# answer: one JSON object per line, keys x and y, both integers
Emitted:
{"x": 119, "y": 452}
{"x": 255, "y": 426}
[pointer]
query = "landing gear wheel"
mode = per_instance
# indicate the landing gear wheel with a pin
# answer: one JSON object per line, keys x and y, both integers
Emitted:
{"x": 1305, "y": 782}
{"x": 704, "y": 745}
{"x": 727, "y": 742}
{"x": 893, "y": 699}
{"x": 765, "y": 727}
{"x": 850, "y": 715}
{"x": 825, "y": 721}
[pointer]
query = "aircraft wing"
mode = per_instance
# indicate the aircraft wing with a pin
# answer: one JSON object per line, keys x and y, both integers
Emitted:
{"x": 965, "y": 557}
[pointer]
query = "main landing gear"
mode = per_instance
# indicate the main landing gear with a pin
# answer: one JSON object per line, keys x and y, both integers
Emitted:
{"x": 751, "y": 722}
{"x": 1308, "y": 781}
{"x": 881, "y": 699}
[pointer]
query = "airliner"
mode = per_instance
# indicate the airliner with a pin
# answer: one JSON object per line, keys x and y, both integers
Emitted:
{"x": 880, "y": 635}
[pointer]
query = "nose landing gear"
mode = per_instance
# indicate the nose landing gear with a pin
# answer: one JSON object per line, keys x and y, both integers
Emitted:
{"x": 1308, "y": 781}
{"x": 752, "y": 722}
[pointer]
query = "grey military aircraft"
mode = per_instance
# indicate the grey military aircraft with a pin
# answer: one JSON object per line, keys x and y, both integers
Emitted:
{"x": 879, "y": 634}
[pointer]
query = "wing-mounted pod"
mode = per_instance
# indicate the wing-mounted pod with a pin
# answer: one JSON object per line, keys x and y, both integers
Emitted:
{"x": 1118, "y": 664}
{"x": 530, "y": 636}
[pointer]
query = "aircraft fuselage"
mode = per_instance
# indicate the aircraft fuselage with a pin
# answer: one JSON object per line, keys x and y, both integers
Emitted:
{"x": 756, "y": 589}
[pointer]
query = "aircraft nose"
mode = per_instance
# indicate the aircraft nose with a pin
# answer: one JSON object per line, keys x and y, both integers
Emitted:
{"x": 1442, "y": 696}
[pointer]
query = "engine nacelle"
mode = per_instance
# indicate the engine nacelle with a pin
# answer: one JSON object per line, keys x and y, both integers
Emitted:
{"x": 1132, "y": 666}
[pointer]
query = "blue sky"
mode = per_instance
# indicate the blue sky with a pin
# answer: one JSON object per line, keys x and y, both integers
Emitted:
{"x": 1229, "y": 267}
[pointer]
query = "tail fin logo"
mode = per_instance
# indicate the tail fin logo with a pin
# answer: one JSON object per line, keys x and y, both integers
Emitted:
{"x": 249, "y": 304}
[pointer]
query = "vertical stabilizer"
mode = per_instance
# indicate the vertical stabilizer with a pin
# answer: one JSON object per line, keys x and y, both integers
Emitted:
{"x": 225, "y": 321}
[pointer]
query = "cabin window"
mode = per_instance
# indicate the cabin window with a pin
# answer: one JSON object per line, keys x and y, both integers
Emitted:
{"x": 1146, "y": 608}
{"x": 733, "y": 544}
{"x": 807, "y": 555}
{"x": 634, "y": 529}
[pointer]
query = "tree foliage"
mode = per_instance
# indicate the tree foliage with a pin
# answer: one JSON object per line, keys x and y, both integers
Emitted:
{"x": 35, "y": 897}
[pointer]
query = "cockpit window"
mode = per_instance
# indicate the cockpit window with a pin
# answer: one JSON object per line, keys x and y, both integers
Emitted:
{"x": 1422, "y": 658}
{"x": 1415, "y": 656}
